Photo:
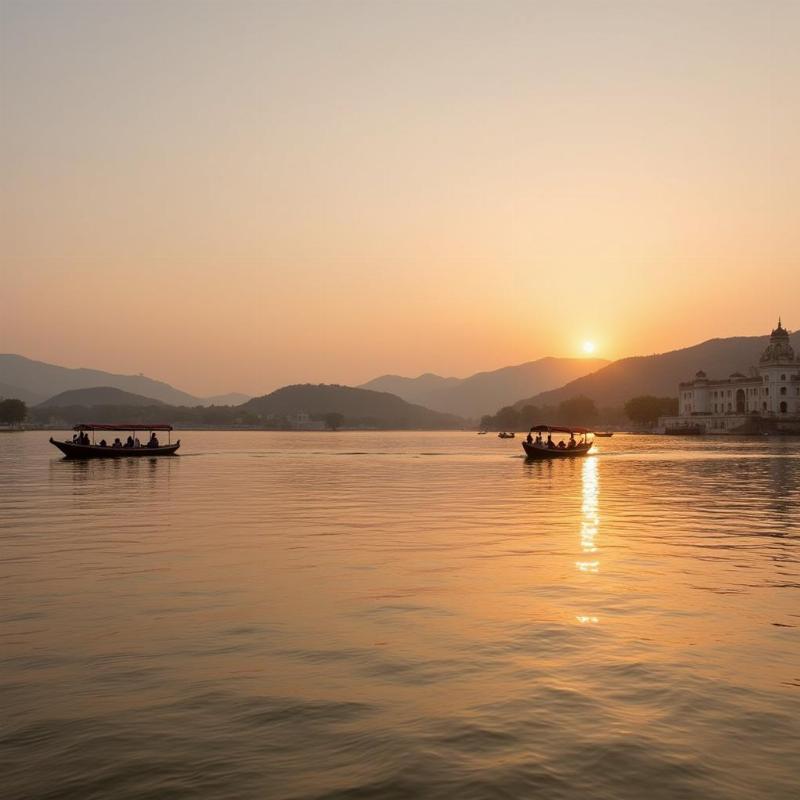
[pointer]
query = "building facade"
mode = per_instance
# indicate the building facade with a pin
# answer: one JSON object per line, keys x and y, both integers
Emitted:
{"x": 768, "y": 398}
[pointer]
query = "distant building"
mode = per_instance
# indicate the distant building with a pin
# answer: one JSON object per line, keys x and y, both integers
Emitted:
{"x": 766, "y": 399}
{"x": 301, "y": 421}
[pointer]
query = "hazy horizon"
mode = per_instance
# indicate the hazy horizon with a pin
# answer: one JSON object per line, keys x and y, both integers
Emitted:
{"x": 239, "y": 196}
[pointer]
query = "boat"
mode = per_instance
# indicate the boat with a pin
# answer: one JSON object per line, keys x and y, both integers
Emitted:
{"x": 604, "y": 434}
{"x": 535, "y": 450}
{"x": 73, "y": 449}
{"x": 482, "y": 433}
{"x": 506, "y": 435}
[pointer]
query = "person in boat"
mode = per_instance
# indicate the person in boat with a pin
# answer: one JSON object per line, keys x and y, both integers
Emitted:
{"x": 117, "y": 442}
{"x": 529, "y": 438}
{"x": 572, "y": 443}
{"x": 561, "y": 445}
{"x": 550, "y": 444}
{"x": 136, "y": 442}
{"x": 129, "y": 441}
{"x": 153, "y": 440}
{"x": 103, "y": 443}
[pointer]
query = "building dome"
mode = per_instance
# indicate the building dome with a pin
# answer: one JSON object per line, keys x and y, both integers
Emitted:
{"x": 736, "y": 375}
{"x": 779, "y": 350}
{"x": 700, "y": 375}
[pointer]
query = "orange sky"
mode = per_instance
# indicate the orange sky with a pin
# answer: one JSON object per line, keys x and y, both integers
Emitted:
{"x": 239, "y": 195}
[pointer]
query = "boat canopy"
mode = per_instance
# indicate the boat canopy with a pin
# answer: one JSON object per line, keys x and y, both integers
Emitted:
{"x": 89, "y": 426}
{"x": 556, "y": 429}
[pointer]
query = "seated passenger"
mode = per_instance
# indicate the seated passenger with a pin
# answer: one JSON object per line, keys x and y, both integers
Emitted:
{"x": 129, "y": 442}
{"x": 117, "y": 442}
{"x": 153, "y": 440}
{"x": 561, "y": 445}
{"x": 136, "y": 442}
{"x": 103, "y": 443}
{"x": 529, "y": 438}
{"x": 571, "y": 442}
{"x": 550, "y": 442}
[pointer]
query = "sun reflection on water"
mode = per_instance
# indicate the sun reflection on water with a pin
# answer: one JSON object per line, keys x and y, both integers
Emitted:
{"x": 590, "y": 522}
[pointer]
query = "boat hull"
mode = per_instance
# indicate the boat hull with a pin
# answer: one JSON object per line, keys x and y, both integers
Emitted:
{"x": 72, "y": 450}
{"x": 538, "y": 453}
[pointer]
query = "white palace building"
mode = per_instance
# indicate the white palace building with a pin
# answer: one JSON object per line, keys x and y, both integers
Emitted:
{"x": 766, "y": 400}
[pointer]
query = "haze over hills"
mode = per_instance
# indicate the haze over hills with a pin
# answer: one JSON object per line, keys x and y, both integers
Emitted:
{"x": 8, "y": 390}
{"x": 35, "y": 381}
{"x": 613, "y": 385}
{"x": 485, "y": 392}
{"x": 356, "y": 404}
{"x": 99, "y": 396}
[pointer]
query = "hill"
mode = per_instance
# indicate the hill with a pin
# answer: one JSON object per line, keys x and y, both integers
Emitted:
{"x": 413, "y": 390}
{"x": 659, "y": 375}
{"x": 99, "y": 396}
{"x": 359, "y": 406}
{"x": 17, "y": 392}
{"x": 485, "y": 392}
{"x": 40, "y": 380}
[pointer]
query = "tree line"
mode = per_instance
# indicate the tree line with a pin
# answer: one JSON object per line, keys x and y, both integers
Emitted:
{"x": 581, "y": 410}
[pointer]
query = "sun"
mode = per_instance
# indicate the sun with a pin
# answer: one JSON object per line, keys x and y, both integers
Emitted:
{"x": 588, "y": 347}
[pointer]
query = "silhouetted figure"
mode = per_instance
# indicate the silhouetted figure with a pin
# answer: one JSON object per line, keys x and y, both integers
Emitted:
{"x": 129, "y": 442}
{"x": 136, "y": 442}
{"x": 103, "y": 443}
{"x": 561, "y": 445}
{"x": 572, "y": 441}
{"x": 153, "y": 440}
{"x": 117, "y": 442}
{"x": 550, "y": 443}
{"x": 529, "y": 438}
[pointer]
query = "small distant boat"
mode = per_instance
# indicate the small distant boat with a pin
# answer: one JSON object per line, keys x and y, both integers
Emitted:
{"x": 506, "y": 435}
{"x": 482, "y": 433}
{"x": 537, "y": 449}
{"x": 604, "y": 434}
{"x": 86, "y": 449}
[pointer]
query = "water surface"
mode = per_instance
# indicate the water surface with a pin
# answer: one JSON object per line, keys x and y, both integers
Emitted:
{"x": 398, "y": 615}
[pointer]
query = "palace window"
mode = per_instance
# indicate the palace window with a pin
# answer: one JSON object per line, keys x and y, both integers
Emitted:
{"x": 783, "y": 377}
{"x": 783, "y": 390}
{"x": 783, "y": 407}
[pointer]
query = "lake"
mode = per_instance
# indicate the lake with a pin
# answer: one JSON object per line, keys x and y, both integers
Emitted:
{"x": 401, "y": 615}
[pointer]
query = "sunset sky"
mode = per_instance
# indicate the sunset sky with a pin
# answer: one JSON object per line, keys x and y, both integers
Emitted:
{"x": 239, "y": 195}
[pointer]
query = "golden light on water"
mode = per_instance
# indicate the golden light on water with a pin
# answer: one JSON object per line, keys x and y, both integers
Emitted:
{"x": 590, "y": 521}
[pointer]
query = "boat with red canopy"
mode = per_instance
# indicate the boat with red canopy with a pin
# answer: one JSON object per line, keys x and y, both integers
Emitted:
{"x": 80, "y": 445}
{"x": 539, "y": 447}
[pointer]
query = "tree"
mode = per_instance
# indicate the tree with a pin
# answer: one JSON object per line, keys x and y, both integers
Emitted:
{"x": 579, "y": 410}
{"x": 529, "y": 416}
{"x": 646, "y": 409}
{"x": 333, "y": 420}
{"x": 13, "y": 411}
{"x": 507, "y": 419}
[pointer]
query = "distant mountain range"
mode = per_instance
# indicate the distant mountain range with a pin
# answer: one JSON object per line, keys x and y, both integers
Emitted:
{"x": 485, "y": 392}
{"x": 659, "y": 375}
{"x": 99, "y": 396}
{"x": 35, "y": 382}
{"x": 355, "y": 404}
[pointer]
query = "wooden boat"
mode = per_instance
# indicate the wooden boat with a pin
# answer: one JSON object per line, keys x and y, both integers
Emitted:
{"x": 505, "y": 435}
{"x": 604, "y": 434}
{"x": 542, "y": 451}
{"x": 73, "y": 449}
